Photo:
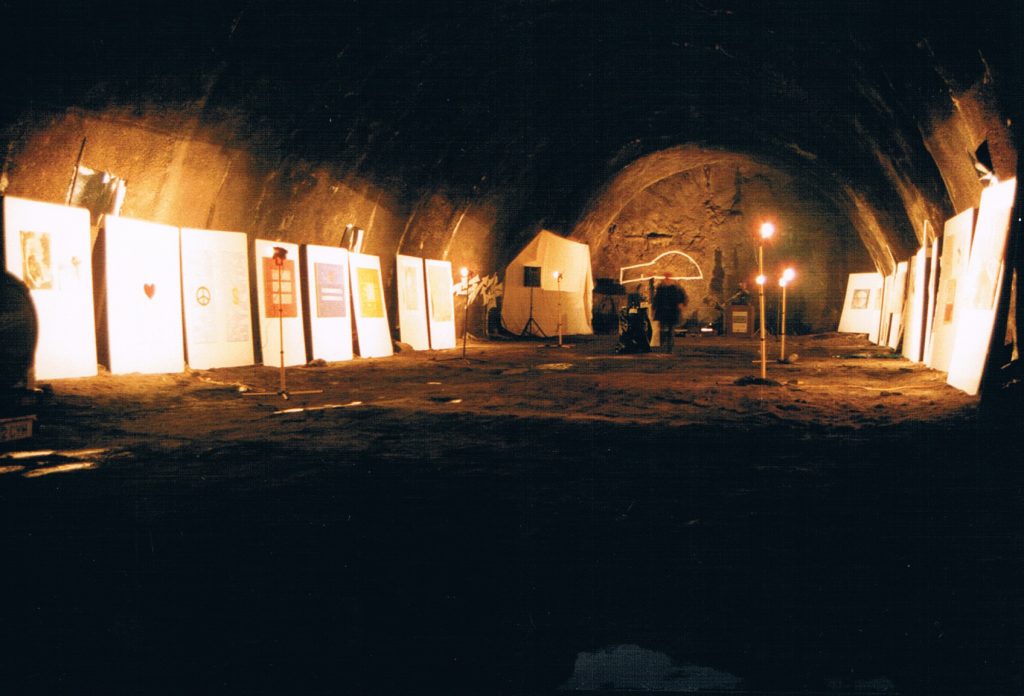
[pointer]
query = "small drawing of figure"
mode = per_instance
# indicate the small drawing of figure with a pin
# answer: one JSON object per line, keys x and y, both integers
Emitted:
{"x": 36, "y": 260}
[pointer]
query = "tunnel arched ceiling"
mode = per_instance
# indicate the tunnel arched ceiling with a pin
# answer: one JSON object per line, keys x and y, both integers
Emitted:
{"x": 532, "y": 108}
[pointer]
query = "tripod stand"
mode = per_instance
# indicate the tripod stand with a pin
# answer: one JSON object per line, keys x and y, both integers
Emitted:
{"x": 277, "y": 298}
{"x": 531, "y": 327}
{"x": 464, "y": 290}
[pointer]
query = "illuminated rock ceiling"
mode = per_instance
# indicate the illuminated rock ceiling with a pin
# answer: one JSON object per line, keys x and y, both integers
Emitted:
{"x": 458, "y": 129}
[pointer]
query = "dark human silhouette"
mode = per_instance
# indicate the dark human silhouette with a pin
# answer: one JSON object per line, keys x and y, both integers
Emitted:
{"x": 741, "y": 296}
{"x": 669, "y": 299}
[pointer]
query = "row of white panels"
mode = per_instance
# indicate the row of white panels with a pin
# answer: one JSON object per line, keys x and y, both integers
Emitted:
{"x": 941, "y": 304}
{"x": 168, "y": 294}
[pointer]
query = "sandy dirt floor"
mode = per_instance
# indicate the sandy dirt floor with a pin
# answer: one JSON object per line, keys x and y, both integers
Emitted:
{"x": 838, "y": 382}
{"x": 428, "y": 524}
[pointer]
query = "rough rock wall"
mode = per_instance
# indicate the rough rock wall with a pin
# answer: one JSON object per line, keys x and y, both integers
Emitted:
{"x": 191, "y": 166}
{"x": 439, "y": 227}
{"x": 712, "y": 211}
{"x": 181, "y": 173}
{"x": 952, "y": 136}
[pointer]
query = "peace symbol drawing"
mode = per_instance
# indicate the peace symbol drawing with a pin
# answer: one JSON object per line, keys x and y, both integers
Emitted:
{"x": 203, "y": 295}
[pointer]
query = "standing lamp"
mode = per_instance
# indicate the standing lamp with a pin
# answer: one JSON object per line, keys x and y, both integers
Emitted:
{"x": 464, "y": 273}
{"x": 558, "y": 281}
{"x": 462, "y": 289}
{"x": 787, "y": 276}
{"x": 767, "y": 230}
{"x": 280, "y": 254}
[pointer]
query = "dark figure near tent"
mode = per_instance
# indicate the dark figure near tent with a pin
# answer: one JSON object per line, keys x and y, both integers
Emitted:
{"x": 669, "y": 299}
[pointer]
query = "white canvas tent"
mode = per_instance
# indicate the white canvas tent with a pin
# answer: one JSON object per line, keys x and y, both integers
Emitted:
{"x": 551, "y": 254}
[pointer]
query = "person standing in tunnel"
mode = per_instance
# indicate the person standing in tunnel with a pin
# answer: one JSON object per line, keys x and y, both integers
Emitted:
{"x": 669, "y": 300}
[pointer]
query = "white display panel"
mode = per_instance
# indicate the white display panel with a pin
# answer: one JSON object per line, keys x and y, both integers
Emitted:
{"x": 976, "y": 307}
{"x": 143, "y": 280}
{"x": 47, "y": 246}
{"x": 894, "y": 305}
{"x": 215, "y": 291}
{"x": 440, "y": 304}
{"x": 914, "y": 307}
{"x": 956, "y": 251}
{"x": 933, "y": 282}
{"x": 370, "y": 311}
{"x": 412, "y": 302}
{"x": 327, "y": 285}
{"x": 279, "y": 303}
{"x": 863, "y": 305}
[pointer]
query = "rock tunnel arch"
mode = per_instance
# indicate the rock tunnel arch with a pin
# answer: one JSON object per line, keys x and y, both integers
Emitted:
{"x": 468, "y": 129}
{"x": 457, "y": 130}
{"x": 706, "y": 202}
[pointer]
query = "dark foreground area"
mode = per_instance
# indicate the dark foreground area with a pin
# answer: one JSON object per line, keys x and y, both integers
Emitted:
{"x": 517, "y": 555}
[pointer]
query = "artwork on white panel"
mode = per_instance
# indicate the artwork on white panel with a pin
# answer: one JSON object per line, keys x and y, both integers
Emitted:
{"x": 327, "y": 285}
{"x": 956, "y": 251}
{"x": 36, "y": 263}
{"x": 279, "y": 303}
{"x": 412, "y": 302}
{"x": 410, "y": 293}
{"x": 978, "y": 294}
{"x": 143, "y": 296}
{"x": 371, "y": 293}
{"x": 441, "y": 304}
{"x": 895, "y": 305}
{"x": 862, "y": 306}
{"x": 372, "y": 330}
{"x": 218, "y": 312}
{"x": 914, "y": 306}
{"x": 47, "y": 246}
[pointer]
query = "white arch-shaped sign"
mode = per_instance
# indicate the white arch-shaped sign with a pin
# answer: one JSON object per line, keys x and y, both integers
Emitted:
{"x": 636, "y": 273}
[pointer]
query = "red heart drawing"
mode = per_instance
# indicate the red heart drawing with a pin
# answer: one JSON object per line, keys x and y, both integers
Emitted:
{"x": 150, "y": 290}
